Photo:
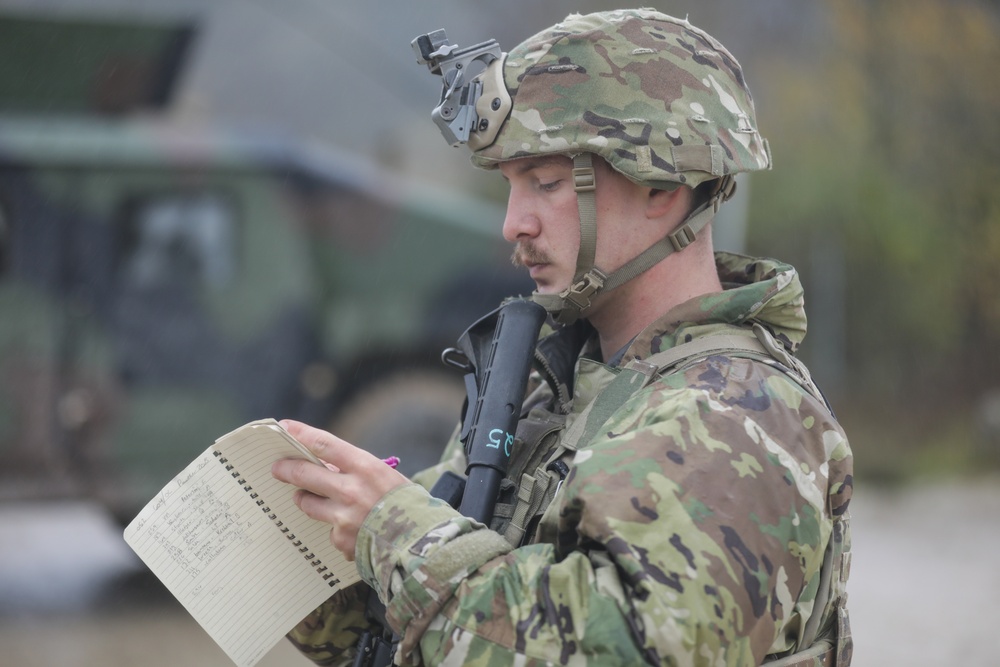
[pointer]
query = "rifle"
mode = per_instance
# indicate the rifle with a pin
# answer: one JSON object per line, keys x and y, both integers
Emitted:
{"x": 497, "y": 375}
{"x": 496, "y": 354}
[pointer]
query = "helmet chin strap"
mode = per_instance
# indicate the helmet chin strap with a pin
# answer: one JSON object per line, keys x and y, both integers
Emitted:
{"x": 588, "y": 281}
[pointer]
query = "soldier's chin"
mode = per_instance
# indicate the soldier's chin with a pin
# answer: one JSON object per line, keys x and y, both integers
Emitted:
{"x": 544, "y": 283}
{"x": 547, "y": 288}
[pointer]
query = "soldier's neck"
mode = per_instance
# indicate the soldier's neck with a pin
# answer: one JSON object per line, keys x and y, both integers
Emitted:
{"x": 621, "y": 315}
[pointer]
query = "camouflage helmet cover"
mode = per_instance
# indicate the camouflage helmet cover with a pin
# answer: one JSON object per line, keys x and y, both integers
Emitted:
{"x": 661, "y": 101}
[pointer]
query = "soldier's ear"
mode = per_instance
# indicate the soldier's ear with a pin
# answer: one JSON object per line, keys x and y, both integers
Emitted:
{"x": 663, "y": 202}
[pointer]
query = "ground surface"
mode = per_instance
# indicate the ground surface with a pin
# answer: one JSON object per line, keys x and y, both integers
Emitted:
{"x": 925, "y": 587}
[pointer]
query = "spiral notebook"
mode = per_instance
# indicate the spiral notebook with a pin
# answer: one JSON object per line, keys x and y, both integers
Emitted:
{"x": 228, "y": 542}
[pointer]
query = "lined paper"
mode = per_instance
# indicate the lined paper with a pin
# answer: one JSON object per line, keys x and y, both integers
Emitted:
{"x": 228, "y": 542}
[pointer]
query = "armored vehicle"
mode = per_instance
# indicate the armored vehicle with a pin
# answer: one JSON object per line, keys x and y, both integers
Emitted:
{"x": 161, "y": 285}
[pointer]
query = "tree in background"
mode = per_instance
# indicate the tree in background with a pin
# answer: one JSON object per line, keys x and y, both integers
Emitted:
{"x": 885, "y": 194}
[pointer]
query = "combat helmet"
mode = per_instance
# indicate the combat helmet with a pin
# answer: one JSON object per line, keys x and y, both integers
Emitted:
{"x": 661, "y": 101}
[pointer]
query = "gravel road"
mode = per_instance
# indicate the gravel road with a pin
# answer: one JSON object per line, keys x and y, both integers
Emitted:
{"x": 924, "y": 591}
{"x": 925, "y": 580}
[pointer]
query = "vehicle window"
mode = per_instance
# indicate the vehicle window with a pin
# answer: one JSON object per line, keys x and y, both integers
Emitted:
{"x": 173, "y": 239}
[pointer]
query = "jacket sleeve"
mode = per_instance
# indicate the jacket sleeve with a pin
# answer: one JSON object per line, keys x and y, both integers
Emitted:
{"x": 329, "y": 635}
{"x": 690, "y": 532}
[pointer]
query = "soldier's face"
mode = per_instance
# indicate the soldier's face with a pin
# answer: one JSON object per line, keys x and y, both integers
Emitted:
{"x": 543, "y": 220}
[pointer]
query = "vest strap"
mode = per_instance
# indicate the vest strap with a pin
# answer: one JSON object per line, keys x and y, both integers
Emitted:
{"x": 822, "y": 653}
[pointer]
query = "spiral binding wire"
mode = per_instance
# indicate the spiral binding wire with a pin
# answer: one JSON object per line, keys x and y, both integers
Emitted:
{"x": 314, "y": 560}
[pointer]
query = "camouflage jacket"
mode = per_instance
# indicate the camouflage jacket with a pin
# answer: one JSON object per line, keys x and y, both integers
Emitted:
{"x": 691, "y": 530}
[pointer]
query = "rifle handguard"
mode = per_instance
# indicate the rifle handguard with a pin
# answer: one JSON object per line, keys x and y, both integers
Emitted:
{"x": 501, "y": 377}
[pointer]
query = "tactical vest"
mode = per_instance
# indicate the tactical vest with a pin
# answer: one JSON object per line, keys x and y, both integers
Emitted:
{"x": 547, "y": 444}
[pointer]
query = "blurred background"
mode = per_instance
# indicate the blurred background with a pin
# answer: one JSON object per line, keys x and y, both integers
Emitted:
{"x": 216, "y": 211}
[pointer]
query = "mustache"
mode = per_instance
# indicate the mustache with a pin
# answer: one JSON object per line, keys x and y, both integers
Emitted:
{"x": 525, "y": 254}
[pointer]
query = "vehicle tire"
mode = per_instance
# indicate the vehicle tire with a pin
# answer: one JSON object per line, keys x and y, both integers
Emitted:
{"x": 409, "y": 415}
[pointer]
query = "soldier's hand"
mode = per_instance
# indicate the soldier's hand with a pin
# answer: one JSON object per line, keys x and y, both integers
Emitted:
{"x": 344, "y": 491}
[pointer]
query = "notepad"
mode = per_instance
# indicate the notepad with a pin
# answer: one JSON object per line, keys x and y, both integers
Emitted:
{"x": 228, "y": 542}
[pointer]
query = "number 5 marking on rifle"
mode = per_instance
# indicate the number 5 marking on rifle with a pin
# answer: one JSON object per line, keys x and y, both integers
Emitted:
{"x": 495, "y": 436}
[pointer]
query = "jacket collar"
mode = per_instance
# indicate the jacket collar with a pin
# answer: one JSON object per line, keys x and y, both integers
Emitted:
{"x": 754, "y": 290}
{"x": 757, "y": 290}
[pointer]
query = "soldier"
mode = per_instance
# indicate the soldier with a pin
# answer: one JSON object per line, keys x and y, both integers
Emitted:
{"x": 697, "y": 516}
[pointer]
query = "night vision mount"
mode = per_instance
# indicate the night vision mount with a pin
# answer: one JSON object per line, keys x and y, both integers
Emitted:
{"x": 459, "y": 113}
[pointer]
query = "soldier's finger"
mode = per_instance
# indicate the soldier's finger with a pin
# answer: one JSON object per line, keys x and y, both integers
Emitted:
{"x": 316, "y": 479}
{"x": 324, "y": 445}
